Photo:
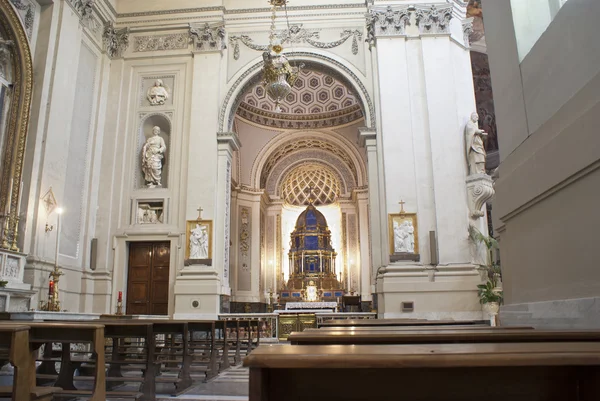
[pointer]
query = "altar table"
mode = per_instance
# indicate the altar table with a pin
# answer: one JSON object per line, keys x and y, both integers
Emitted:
{"x": 311, "y": 305}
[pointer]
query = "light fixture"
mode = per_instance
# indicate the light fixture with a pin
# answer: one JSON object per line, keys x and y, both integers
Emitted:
{"x": 278, "y": 75}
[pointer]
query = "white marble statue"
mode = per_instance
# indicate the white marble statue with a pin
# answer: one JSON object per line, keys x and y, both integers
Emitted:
{"x": 404, "y": 237}
{"x": 199, "y": 243}
{"x": 152, "y": 156}
{"x": 157, "y": 94}
{"x": 475, "y": 148}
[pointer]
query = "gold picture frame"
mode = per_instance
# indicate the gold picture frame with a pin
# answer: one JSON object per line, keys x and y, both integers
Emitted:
{"x": 401, "y": 218}
{"x": 191, "y": 225}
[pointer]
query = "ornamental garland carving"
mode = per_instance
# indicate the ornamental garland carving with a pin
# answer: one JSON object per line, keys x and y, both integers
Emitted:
{"x": 297, "y": 35}
{"x": 160, "y": 42}
{"x": 26, "y": 14}
{"x": 116, "y": 41}
{"x": 245, "y": 238}
{"x": 208, "y": 38}
{"x": 394, "y": 20}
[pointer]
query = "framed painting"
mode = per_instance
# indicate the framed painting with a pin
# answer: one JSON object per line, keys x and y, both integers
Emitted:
{"x": 404, "y": 234}
{"x": 199, "y": 238}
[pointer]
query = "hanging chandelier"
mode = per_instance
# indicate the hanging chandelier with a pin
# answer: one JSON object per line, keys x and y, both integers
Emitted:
{"x": 278, "y": 75}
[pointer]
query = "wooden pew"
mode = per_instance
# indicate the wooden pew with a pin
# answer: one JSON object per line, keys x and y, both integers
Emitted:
{"x": 15, "y": 339}
{"x": 441, "y": 337}
{"x": 433, "y": 372}
{"x": 395, "y": 322}
{"x": 206, "y": 359}
{"x": 416, "y": 328}
{"x": 67, "y": 333}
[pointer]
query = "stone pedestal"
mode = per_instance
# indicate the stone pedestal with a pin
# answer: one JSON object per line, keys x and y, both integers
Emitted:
{"x": 16, "y": 296}
{"x": 437, "y": 292}
{"x": 197, "y": 293}
{"x": 480, "y": 189}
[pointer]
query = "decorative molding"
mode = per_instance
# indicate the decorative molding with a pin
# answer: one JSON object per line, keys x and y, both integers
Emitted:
{"x": 208, "y": 38}
{"x": 392, "y": 21}
{"x": 296, "y": 34}
{"x": 26, "y": 13}
{"x": 467, "y": 26}
{"x": 480, "y": 189}
{"x": 116, "y": 41}
{"x": 160, "y": 42}
{"x": 245, "y": 237}
{"x": 227, "y": 222}
{"x": 433, "y": 19}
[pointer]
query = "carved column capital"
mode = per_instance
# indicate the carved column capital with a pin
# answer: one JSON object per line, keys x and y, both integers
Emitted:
{"x": 85, "y": 9}
{"x": 433, "y": 19}
{"x": 390, "y": 21}
{"x": 116, "y": 41}
{"x": 207, "y": 37}
{"x": 467, "y": 26}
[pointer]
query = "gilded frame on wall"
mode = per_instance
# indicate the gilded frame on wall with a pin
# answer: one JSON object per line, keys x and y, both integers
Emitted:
{"x": 191, "y": 225}
{"x": 401, "y": 218}
{"x": 18, "y": 116}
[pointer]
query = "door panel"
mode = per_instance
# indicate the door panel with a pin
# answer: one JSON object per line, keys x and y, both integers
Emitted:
{"x": 148, "y": 278}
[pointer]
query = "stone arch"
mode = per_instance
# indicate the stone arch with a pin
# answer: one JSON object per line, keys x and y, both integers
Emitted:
{"x": 17, "y": 123}
{"x": 345, "y": 152}
{"x": 252, "y": 75}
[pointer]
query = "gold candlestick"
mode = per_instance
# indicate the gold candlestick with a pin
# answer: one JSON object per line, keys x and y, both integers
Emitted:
{"x": 119, "y": 308}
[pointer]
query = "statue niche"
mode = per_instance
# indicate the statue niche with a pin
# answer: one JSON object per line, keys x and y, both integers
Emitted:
{"x": 154, "y": 147}
{"x": 311, "y": 260}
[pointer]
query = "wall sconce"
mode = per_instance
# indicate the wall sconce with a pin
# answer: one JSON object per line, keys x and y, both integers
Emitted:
{"x": 48, "y": 228}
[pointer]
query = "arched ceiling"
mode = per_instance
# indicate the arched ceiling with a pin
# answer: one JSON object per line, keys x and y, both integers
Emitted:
{"x": 317, "y": 100}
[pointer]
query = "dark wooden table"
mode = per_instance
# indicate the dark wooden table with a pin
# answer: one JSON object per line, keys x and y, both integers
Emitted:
{"x": 441, "y": 336}
{"x": 435, "y": 372}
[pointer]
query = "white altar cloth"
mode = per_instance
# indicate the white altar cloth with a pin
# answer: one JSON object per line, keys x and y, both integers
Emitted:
{"x": 310, "y": 305}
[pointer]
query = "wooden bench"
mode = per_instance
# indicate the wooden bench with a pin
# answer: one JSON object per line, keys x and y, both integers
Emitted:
{"x": 434, "y": 372}
{"x": 441, "y": 337}
{"x": 67, "y": 333}
{"x": 394, "y": 322}
{"x": 417, "y": 328}
{"x": 15, "y": 338}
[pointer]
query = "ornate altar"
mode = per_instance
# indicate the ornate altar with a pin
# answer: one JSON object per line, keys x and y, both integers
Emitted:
{"x": 312, "y": 261}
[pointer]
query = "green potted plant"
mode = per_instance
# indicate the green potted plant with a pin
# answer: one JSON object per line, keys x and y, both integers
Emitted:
{"x": 490, "y": 294}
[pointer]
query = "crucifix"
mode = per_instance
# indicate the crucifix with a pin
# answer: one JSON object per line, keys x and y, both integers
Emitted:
{"x": 200, "y": 210}
{"x": 402, "y": 203}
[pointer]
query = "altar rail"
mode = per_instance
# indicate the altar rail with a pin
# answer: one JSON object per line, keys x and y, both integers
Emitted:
{"x": 270, "y": 324}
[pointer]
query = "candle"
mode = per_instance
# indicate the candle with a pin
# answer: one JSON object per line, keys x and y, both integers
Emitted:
{"x": 51, "y": 288}
{"x": 120, "y": 296}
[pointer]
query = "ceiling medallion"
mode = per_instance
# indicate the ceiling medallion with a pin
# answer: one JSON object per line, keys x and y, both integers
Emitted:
{"x": 278, "y": 75}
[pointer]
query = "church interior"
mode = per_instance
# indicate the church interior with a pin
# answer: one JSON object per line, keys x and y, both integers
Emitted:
{"x": 244, "y": 200}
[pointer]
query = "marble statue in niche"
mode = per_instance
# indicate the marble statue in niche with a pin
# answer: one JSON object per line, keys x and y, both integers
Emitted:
{"x": 157, "y": 94}
{"x": 475, "y": 147}
{"x": 152, "y": 159}
{"x": 404, "y": 237}
{"x": 199, "y": 242}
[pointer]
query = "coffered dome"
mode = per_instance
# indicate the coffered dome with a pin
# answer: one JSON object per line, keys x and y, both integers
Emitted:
{"x": 299, "y": 183}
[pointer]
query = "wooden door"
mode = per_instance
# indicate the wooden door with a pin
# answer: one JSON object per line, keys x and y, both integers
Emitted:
{"x": 148, "y": 278}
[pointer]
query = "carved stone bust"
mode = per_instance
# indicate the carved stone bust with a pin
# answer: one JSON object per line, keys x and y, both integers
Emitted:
{"x": 158, "y": 94}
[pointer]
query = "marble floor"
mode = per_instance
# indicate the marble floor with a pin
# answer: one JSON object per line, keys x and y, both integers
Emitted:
{"x": 230, "y": 385}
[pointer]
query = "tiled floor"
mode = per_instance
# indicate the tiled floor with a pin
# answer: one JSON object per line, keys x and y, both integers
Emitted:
{"x": 230, "y": 385}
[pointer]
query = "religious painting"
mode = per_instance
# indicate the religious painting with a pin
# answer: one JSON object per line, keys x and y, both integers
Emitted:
{"x": 198, "y": 240}
{"x": 404, "y": 237}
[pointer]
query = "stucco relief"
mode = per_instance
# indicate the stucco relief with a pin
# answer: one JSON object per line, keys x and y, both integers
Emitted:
{"x": 160, "y": 42}
{"x": 207, "y": 38}
{"x": 434, "y": 19}
{"x": 116, "y": 41}
{"x": 27, "y": 14}
{"x": 227, "y": 221}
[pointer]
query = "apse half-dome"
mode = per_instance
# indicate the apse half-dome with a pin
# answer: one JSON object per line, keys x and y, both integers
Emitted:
{"x": 320, "y": 182}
